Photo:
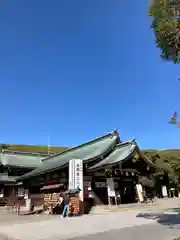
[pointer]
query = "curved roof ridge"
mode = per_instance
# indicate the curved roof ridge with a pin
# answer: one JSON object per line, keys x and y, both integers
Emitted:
{"x": 146, "y": 158}
{"x": 126, "y": 143}
{"x": 140, "y": 152}
{"x": 120, "y": 154}
{"x": 82, "y": 145}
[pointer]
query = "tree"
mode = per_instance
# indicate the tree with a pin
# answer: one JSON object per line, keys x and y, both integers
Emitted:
{"x": 146, "y": 182}
{"x": 168, "y": 162}
{"x": 166, "y": 27}
{"x": 3, "y": 146}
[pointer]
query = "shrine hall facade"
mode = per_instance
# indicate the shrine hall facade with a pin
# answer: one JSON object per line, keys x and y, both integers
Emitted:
{"x": 104, "y": 157}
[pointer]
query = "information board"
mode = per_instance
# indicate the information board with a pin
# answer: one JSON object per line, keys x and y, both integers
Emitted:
{"x": 76, "y": 176}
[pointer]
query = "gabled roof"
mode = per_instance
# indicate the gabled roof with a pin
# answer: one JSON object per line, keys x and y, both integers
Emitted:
{"x": 20, "y": 159}
{"x": 87, "y": 152}
{"x": 121, "y": 153}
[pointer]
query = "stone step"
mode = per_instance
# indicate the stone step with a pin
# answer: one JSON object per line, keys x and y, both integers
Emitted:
{"x": 103, "y": 209}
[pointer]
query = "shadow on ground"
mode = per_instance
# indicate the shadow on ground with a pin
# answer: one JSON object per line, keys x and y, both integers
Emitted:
{"x": 170, "y": 218}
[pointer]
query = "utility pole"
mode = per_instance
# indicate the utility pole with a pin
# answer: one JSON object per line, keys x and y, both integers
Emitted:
{"x": 49, "y": 146}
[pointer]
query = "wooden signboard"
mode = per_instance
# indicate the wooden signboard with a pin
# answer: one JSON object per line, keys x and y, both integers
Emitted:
{"x": 74, "y": 205}
{"x": 51, "y": 199}
{"x": 47, "y": 197}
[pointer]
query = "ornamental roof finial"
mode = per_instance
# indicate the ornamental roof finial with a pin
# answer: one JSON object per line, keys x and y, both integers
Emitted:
{"x": 115, "y": 132}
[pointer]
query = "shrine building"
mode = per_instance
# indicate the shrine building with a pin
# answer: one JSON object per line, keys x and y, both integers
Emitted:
{"x": 104, "y": 159}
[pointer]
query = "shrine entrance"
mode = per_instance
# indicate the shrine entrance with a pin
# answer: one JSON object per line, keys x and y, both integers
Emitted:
{"x": 127, "y": 190}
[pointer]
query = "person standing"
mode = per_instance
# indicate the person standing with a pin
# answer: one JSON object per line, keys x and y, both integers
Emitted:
{"x": 66, "y": 199}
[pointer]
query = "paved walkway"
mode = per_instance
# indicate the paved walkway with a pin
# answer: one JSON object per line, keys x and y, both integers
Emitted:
{"x": 169, "y": 203}
{"x": 122, "y": 222}
{"x": 144, "y": 232}
{"x": 107, "y": 226}
{"x": 73, "y": 227}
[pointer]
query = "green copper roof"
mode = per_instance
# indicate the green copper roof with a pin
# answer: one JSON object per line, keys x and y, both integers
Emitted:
{"x": 18, "y": 159}
{"x": 122, "y": 152}
{"x": 87, "y": 152}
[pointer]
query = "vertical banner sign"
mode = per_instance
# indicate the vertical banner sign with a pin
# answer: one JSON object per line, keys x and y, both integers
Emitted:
{"x": 79, "y": 177}
{"x": 110, "y": 187}
{"x": 26, "y": 193}
{"x": 164, "y": 191}
{"x": 20, "y": 192}
{"x": 71, "y": 175}
{"x": 76, "y": 176}
{"x": 139, "y": 192}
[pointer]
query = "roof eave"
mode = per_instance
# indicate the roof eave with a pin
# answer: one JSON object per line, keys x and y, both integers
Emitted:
{"x": 6, "y": 151}
{"x": 137, "y": 149}
{"x": 113, "y": 164}
{"x": 148, "y": 161}
{"x": 82, "y": 145}
{"x": 17, "y": 166}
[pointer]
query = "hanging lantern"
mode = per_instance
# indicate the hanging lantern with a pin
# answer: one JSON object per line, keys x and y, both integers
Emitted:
{"x": 115, "y": 172}
{"x": 136, "y": 156}
{"x": 108, "y": 172}
{"x": 134, "y": 160}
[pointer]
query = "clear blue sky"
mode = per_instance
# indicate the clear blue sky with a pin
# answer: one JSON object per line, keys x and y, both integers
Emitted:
{"x": 75, "y": 69}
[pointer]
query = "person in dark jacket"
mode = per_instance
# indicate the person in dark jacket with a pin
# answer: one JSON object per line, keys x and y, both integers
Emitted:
{"x": 65, "y": 212}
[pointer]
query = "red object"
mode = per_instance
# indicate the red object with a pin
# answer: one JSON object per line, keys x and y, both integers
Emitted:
{"x": 115, "y": 133}
{"x": 53, "y": 186}
{"x": 175, "y": 115}
{"x": 173, "y": 118}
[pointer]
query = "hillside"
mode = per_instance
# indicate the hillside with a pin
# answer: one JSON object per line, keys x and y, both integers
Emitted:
{"x": 164, "y": 158}
{"x": 32, "y": 148}
{"x": 164, "y": 154}
{"x": 167, "y": 153}
{"x": 169, "y": 161}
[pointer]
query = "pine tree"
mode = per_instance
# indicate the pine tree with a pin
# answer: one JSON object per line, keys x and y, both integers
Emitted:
{"x": 166, "y": 27}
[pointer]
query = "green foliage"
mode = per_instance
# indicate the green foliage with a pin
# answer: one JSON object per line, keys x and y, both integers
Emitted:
{"x": 169, "y": 162}
{"x": 145, "y": 181}
{"x": 3, "y": 146}
{"x": 166, "y": 27}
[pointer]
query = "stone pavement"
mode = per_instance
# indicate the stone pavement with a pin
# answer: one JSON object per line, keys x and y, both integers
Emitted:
{"x": 73, "y": 227}
{"x": 124, "y": 223}
{"x": 144, "y": 232}
{"x": 134, "y": 224}
{"x": 169, "y": 203}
